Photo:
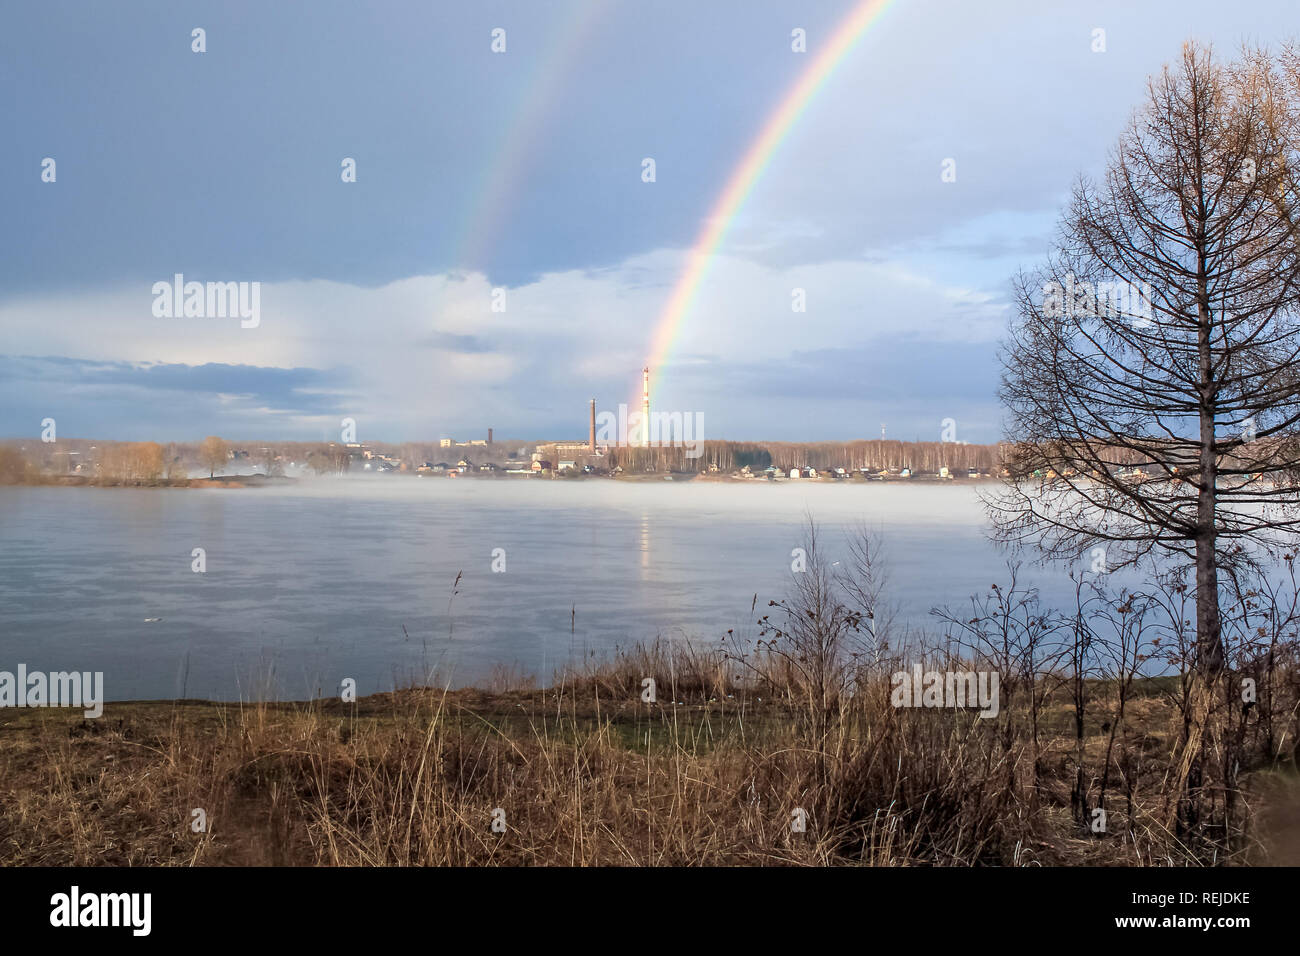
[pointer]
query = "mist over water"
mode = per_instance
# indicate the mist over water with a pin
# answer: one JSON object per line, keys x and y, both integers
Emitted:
{"x": 314, "y": 582}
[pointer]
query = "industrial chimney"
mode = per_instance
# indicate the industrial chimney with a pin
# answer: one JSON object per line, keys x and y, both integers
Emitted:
{"x": 489, "y": 436}
{"x": 645, "y": 406}
{"x": 591, "y": 438}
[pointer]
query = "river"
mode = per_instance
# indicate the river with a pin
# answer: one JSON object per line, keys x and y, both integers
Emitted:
{"x": 308, "y": 583}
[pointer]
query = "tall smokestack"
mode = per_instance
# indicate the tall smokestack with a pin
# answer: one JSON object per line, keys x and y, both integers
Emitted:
{"x": 489, "y": 436}
{"x": 591, "y": 437}
{"x": 645, "y": 406}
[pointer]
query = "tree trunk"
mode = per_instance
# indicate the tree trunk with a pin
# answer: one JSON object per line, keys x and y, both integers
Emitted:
{"x": 1209, "y": 645}
{"x": 1209, "y": 642}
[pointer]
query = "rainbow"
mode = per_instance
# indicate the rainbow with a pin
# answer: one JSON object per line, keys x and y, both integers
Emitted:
{"x": 750, "y": 170}
{"x": 498, "y": 183}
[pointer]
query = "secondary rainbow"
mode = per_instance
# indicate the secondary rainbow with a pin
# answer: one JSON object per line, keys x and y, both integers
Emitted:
{"x": 519, "y": 143}
{"x": 750, "y": 170}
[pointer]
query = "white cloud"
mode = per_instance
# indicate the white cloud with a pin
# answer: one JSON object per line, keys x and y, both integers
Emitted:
{"x": 429, "y": 350}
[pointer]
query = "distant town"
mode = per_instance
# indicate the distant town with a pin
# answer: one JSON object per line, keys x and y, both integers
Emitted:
{"x": 86, "y": 461}
{"x": 639, "y": 444}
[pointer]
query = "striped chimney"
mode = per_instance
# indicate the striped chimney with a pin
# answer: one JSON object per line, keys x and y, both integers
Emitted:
{"x": 645, "y": 406}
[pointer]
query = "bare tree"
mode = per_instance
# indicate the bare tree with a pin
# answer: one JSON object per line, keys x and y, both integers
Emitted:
{"x": 270, "y": 460}
{"x": 175, "y": 462}
{"x": 1008, "y": 629}
{"x": 822, "y": 641}
{"x": 1162, "y": 332}
{"x": 146, "y": 460}
{"x": 213, "y": 454}
{"x": 1192, "y": 372}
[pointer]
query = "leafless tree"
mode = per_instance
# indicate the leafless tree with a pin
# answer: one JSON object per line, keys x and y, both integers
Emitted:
{"x": 1199, "y": 382}
{"x": 1163, "y": 329}
{"x": 1008, "y": 629}
{"x": 817, "y": 634}
{"x": 213, "y": 454}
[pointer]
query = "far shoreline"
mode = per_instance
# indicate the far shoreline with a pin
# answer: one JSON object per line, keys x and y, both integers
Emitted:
{"x": 87, "y": 481}
{"x": 262, "y": 481}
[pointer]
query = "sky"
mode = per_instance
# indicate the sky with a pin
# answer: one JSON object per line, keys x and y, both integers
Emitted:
{"x": 499, "y": 259}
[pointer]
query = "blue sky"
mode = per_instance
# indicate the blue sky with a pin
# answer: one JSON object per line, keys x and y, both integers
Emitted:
{"x": 522, "y": 171}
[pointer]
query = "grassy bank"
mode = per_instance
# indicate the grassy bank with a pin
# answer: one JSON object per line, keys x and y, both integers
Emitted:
{"x": 586, "y": 773}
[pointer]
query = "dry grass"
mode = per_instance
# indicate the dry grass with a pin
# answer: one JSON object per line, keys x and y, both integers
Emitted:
{"x": 586, "y": 773}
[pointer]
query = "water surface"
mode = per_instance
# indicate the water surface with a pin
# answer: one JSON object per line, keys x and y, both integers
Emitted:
{"x": 353, "y": 577}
